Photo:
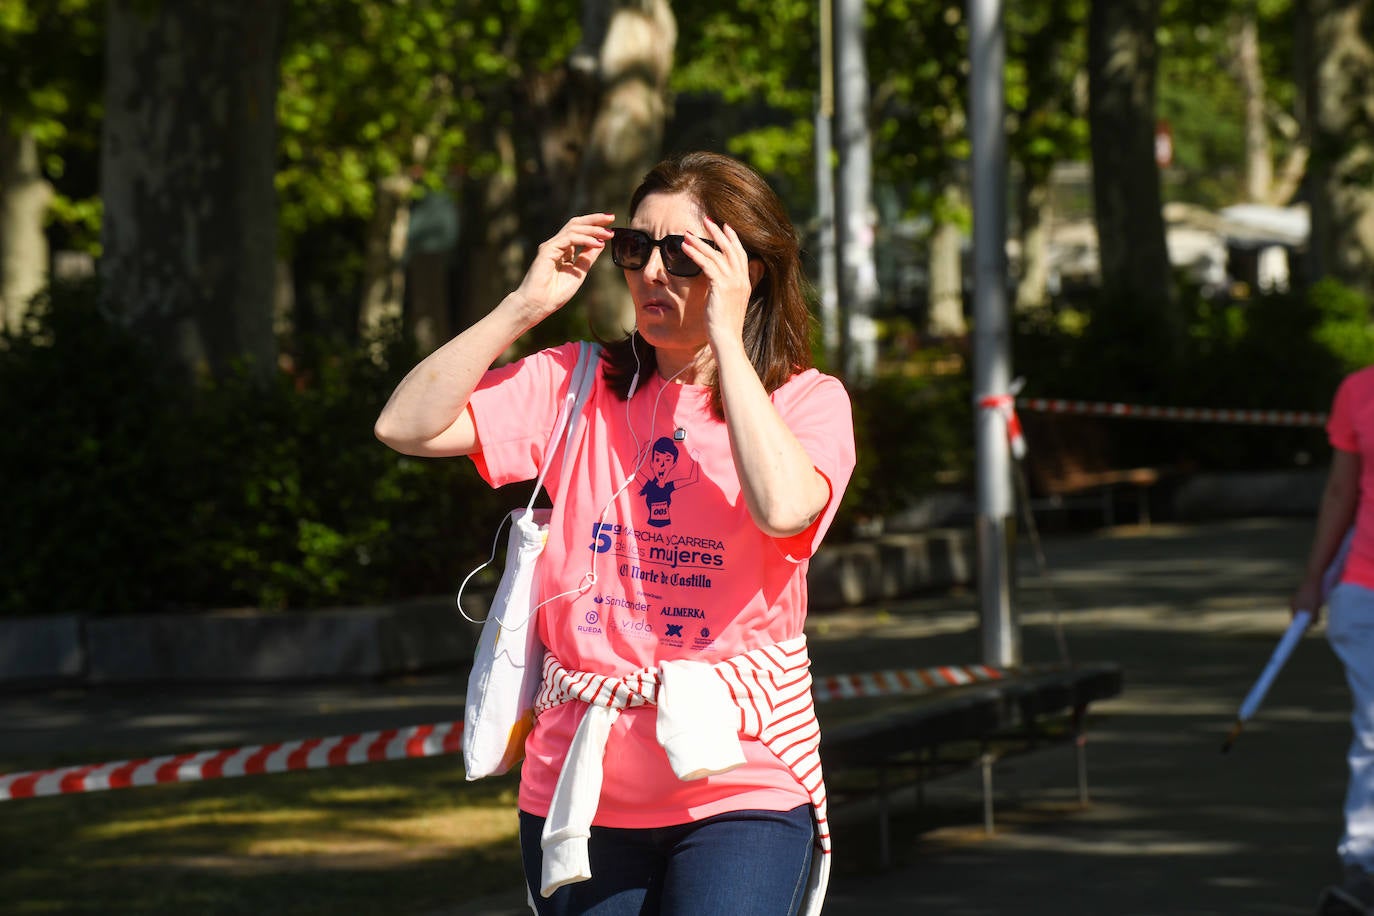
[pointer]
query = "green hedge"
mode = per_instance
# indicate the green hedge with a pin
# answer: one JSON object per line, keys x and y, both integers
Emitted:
{"x": 1277, "y": 352}
{"x": 913, "y": 428}
{"x": 129, "y": 491}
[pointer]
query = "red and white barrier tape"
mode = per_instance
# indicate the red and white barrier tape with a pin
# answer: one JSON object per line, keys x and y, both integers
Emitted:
{"x": 400, "y": 744}
{"x": 1005, "y": 404}
{"x": 308, "y": 754}
{"x": 1186, "y": 414}
{"x": 903, "y": 681}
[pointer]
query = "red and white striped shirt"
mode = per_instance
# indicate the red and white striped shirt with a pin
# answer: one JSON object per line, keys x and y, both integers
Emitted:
{"x": 766, "y": 691}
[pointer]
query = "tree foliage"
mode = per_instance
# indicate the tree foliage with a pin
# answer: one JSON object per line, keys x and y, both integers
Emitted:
{"x": 141, "y": 494}
{"x": 57, "y": 96}
{"x": 1200, "y": 95}
{"x": 275, "y": 494}
{"x": 188, "y": 161}
{"x": 372, "y": 89}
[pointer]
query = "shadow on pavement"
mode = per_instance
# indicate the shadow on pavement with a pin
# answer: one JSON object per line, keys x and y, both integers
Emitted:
{"x": 1191, "y": 613}
{"x": 1175, "y": 826}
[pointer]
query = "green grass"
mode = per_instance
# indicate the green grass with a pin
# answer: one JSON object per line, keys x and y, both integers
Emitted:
{"x": 405, "y": 837}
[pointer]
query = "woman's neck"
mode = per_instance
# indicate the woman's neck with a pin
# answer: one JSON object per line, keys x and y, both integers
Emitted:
{"x": 685, "y": 368}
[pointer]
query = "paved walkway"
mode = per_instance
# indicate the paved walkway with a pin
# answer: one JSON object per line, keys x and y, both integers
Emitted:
{"x": 1175, "y": 827}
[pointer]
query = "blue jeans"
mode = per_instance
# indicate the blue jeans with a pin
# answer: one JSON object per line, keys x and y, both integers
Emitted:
{"x": 1350, "y": 630}
{"x": 745, "y": 863}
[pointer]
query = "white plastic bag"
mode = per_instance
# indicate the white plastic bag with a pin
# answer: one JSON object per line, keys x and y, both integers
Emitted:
{"x": 507, "y": 665}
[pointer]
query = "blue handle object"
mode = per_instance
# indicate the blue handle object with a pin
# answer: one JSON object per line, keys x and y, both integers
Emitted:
{"x": 1301, "y": 620}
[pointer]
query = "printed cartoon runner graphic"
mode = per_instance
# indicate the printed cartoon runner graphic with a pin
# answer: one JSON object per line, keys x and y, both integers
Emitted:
{"x": 659, "y": 484}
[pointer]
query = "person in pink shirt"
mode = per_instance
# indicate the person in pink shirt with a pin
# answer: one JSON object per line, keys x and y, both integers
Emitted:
{"x": 1342, "y": 554}
{"x": 674, "y": 764}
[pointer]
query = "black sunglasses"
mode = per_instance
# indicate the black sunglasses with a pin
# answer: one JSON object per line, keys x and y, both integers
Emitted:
{"x": 630, "y": 249}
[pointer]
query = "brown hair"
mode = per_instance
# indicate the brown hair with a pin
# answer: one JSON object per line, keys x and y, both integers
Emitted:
{"x": 777, "y": 325}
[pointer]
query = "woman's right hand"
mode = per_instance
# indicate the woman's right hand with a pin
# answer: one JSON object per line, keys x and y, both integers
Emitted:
{"x": 1308, "y": 597}
{"x": 426, "y": 414}
{"x": 562, "y": 263}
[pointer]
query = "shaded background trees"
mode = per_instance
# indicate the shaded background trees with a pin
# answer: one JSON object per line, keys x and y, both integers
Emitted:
{"x": 49, "y": 137}
{"x": 1339, "y": 43}
{"x": 290, "y": 200}
{"x": 187, "y": 168}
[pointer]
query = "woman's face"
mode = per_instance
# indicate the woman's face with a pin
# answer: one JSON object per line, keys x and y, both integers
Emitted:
{"x": 670, "y": 311}
{"x": 663, "y": 463}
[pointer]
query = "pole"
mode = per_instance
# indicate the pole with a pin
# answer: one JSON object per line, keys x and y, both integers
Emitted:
{"x": 825, "y": 197}
{"x": 826, "y": 259}
{"x": 991, "y": 349}
{"x": 858, "y": 274}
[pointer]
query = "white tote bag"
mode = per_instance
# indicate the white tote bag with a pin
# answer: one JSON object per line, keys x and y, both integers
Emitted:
{"x": 506, "y": 668}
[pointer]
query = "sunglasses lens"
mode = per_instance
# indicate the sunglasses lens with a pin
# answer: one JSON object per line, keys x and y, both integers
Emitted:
{"x": 630, "y": 249}
{"x": 676, "y": 260}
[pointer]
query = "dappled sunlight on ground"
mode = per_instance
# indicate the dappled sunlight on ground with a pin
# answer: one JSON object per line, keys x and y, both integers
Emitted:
{"x": 1174, "y": 828}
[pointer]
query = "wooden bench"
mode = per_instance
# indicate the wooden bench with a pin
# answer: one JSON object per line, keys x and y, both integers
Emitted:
{"x": 1069, "y": 462}
{"x": 957, "y": 729}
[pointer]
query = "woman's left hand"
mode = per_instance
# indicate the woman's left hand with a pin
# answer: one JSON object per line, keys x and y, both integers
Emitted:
{"x": 731, "y": 286}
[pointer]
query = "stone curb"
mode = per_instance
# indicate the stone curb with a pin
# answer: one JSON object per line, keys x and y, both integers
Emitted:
{"x": 1212, "y": 496}
{"x": 385, "y": 640}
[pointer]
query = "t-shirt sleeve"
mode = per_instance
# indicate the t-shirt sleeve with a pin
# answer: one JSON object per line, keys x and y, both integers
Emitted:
{"x": 514, "y": 409}
{"x": 818, "y": 411}
{"x": 1340, "y": 425}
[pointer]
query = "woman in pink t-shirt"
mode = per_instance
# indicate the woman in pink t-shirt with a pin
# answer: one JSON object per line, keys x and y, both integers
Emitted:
{"x": 1340, "y": 573}
{"x": 673, "y": 767}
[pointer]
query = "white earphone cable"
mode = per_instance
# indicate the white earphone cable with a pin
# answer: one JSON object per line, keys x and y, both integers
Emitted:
{"x": 641, "y": 452}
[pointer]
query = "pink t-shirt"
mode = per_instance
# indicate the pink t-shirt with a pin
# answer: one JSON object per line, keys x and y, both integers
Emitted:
{"x": 1350, "y": 428}
{"x": 652, "y": 555}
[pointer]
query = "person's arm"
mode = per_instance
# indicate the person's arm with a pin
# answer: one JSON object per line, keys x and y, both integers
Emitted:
{"x": 693, "y": 474}
{"x": 427, "y": 413}
{"x": 781, "y": 487}
{"x": 1339, "y": 502}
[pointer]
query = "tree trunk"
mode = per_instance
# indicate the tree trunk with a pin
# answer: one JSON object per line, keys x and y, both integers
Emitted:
{"x": 188, "y": 160}
{"x": 384, "y": 278}
{"x": 1259, "y": 162}
{"x": 946, "y": 268}
{"x": 1049, "y": 98}
{"x": 1122, "y": 58}
{"x": 284, "y": 302}
{"x": 634, "y": 61}
{"x": 1340, "y": 86}
{"x": 24, "y": 198}
{"x": 430, "y": 246}
{"x": 495, "y": 258}
{"x": 592, "y": 130}
{"x": 1290, "y": 177}
{"x": 427, "y": 316}
{"x": 1035, "y": 204}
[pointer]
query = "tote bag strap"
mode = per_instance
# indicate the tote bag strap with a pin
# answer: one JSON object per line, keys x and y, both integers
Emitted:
{"x": 579, "y": 386}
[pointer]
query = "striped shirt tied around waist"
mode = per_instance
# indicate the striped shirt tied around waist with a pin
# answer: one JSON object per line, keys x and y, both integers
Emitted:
{"x": 703, "y": 709}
